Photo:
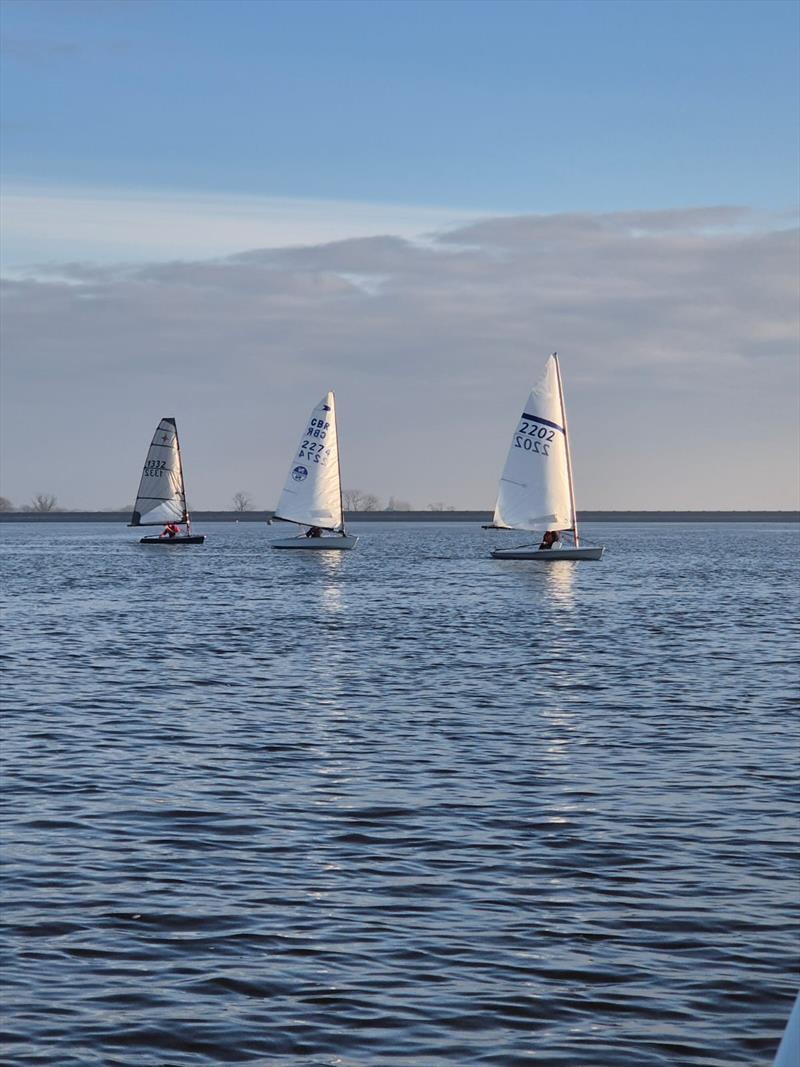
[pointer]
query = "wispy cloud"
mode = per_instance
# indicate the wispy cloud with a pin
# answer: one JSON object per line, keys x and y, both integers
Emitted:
{"x": 48, "y": 225}
{"x": 678, "y": 332}
{"x": 38, "y": 52}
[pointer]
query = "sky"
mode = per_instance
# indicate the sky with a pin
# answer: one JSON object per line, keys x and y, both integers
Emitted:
{"x": 219, "y": 211}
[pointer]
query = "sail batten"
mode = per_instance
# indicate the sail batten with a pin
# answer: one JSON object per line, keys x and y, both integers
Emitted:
{"x": 161, "y": 497}
{"x": 312, "y": 494}
{"x": 535, "y": 491}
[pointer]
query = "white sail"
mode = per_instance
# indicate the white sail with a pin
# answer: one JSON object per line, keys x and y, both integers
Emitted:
{"x": 534, "y": 491}
{"x": 312, "y": 495}
{"x": 161, "y": 497}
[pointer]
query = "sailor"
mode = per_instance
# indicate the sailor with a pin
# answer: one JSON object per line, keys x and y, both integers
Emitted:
{"x": 171, "y": 530}
{"x": 314, "y": 531}
{"x": 550, "y": 539}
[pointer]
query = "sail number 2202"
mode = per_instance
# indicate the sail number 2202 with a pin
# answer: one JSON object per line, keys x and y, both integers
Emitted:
{"x": 534, "y": 438}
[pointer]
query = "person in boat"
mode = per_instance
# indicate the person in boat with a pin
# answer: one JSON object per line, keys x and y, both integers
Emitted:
{"x": 314, "y": 531}
{"x": 550, "y": 539}
{"x": 171, "y": 530}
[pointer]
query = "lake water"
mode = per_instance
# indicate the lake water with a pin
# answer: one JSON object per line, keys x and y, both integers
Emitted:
{"x": 401, "y": 806}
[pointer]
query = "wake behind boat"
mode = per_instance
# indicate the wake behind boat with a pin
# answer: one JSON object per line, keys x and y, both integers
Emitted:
{"x": 536, "y": 490}
{"x": 161, "y": 499}
{"x": 312, "y": 495}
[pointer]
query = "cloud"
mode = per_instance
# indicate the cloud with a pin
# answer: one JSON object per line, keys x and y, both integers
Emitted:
{"x": 49, "y": 225}
{"x": 678, "y": 334}
{"x": 38, "y": 52}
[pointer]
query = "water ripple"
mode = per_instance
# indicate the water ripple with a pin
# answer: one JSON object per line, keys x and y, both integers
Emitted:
{"x": 408, "y": 806}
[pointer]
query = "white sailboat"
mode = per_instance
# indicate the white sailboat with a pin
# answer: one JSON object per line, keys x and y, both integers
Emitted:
{"x": 312, "y": 495}
{"x": 161, "y": 499}
{"x": 536, "y": 490}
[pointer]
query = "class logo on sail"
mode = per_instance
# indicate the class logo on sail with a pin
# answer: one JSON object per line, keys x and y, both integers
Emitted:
{"x": 299, "y": 474}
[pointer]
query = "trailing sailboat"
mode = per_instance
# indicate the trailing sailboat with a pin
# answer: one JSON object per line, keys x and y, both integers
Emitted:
{"x": 536, "y": 490}
{"x": 161, "y": 499}
{"x": 312, "y": 495}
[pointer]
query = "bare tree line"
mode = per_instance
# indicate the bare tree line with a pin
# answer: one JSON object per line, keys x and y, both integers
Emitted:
{"x": 42, "y": 502}
{"x": 352, "y": 500}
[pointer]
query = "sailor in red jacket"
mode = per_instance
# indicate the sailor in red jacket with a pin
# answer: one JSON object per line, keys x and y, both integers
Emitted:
{"x": 171, "y": 530}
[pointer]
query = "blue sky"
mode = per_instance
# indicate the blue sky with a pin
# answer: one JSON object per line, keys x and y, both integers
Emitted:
{"x": 219, "y": 211}
{"x": 500, "y": 107}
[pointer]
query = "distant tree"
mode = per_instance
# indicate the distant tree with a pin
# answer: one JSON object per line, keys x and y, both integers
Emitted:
{"x": 437, "y": 506}
{"x": 351, "y": 499}
{"x": 357, "y": 500}
{"x": 43, "y": 502}
{"x": 397, "y": 505}
{"x": 242, "y": 501}
{"x": 5, "y": 504}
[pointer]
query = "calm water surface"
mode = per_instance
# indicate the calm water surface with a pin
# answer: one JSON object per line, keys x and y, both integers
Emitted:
{"x": 403, "y": 806}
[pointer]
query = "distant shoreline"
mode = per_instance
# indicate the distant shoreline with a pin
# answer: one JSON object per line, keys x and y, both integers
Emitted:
{"x": 418, "y": 516}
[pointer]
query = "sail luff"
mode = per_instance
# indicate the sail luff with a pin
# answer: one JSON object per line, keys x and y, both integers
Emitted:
{"x": 569, "y": 454}
{"x": 338, "y": 462}
{"x": 182, "y": 478}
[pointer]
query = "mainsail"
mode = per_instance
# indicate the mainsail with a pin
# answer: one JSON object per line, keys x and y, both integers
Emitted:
{"x": 162, "y": 496}
{"x": 312, "y": 495}
{"x": 535, "y": 491}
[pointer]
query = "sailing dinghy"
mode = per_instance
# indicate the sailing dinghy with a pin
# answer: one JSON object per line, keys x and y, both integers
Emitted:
{"x": 312, "y": 495}
{"x": 536, "y": 490}
{"x": 161, "y": 499}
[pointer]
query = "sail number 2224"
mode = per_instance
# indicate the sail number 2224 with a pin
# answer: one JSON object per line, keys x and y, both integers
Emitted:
{"x": 533, "y": 438}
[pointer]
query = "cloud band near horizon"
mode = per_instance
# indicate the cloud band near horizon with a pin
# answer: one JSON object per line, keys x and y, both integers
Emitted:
{"x": 678, "y": 332}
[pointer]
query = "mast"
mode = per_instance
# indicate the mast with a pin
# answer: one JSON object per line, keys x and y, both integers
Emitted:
{"x": 338, "y": 462}
{"x": 186, "y": 518}
{"x": 569, "y": 457}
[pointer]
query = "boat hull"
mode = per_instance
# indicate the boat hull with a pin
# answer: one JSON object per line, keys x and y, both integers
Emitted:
{"x": 317, "y": 544}
{"x": 549, "y": 555}
{"x": 181, "y": 539}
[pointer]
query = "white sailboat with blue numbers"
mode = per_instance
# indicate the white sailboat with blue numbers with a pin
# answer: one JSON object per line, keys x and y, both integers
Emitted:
{"x": 312, "y": 495}
{"x": 536, "y": 491}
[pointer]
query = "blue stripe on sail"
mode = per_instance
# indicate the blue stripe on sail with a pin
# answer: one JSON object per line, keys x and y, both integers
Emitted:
{"x": 545, "y": 422}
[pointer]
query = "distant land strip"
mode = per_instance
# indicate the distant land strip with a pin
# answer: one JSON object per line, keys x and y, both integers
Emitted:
{"x": 418, "y": 516}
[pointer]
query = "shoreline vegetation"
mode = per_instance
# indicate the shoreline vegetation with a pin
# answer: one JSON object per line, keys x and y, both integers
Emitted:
{"x": 418, "y": 516}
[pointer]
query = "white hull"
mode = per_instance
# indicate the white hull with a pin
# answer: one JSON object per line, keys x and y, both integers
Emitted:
{"x": 317, "y": 544}
{"x": 548, "y": 554}
{"x": 179, "y": 539}
{"x": 788, "y": 1053}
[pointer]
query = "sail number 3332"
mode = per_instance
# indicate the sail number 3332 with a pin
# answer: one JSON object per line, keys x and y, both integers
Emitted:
{"x": 534, "y": 438}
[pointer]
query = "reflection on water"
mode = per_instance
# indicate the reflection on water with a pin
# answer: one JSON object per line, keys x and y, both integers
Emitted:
{"x": 560, "y": 580}
{"x": 331, "y": 564}
{"x": 402, "y": 805}
{"x": 563, "y": 731}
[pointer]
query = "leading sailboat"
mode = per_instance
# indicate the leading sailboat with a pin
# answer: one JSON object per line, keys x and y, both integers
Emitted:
{"x": 312, "y": 495}
{"x": 161, "y": 500}
{"x": 536, "y": 490}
